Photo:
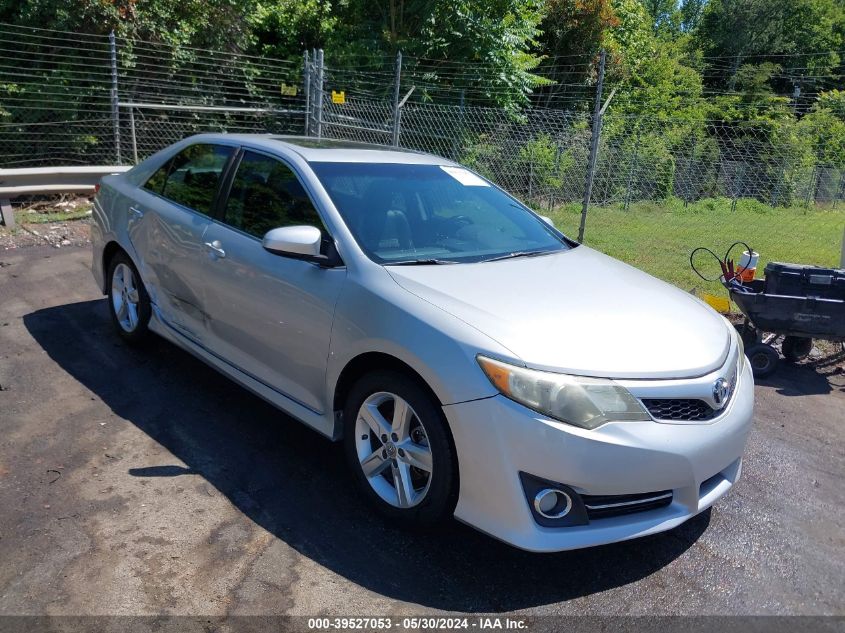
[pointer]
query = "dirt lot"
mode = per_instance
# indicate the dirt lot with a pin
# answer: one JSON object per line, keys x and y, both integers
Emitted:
{"x": 142, "y": 482}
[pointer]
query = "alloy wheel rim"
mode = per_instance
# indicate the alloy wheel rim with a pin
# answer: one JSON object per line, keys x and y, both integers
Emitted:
{"x": 393, "y": 450}
{"x": 125, "y": 298}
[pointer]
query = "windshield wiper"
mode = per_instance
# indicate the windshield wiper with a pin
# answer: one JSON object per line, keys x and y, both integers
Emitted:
{"x": 420, "y": 262}
{"x": 518, "y": 254}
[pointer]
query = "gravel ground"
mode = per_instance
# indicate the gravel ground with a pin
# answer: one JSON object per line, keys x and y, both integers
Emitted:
{"x": 34, "y": 228}
{"x": 142, "y": 482}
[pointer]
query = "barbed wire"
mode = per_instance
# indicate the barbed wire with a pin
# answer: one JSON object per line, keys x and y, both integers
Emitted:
{"x": 59, "y": 105}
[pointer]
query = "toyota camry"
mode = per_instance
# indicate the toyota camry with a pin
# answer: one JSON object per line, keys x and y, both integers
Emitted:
{"x": 474, "y": 361}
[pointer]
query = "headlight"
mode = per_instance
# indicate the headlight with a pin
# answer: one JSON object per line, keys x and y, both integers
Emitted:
{"x": 577, "y": 400}
{"x": 740, "y": 359}
{"x": 740, "y": 344}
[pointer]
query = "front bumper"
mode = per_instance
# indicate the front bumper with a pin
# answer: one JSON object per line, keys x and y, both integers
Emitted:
{"x": 497, "y": 438}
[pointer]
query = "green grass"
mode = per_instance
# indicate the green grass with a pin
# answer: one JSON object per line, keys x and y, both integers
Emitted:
{"x": 658, "y": 237}
{"x": 58, "y": 216}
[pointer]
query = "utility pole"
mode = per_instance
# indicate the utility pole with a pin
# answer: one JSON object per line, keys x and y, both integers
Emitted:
{"x": 594, "y": 149}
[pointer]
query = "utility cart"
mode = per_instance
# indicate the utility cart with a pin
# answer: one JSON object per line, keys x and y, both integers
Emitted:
{"x": 799, "y": 303}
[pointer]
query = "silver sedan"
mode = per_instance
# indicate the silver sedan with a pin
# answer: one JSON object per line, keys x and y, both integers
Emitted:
{"x": 474, "y": 361}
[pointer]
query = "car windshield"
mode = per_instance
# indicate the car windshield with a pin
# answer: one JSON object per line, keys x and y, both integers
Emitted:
{"x": 432, "y": 214}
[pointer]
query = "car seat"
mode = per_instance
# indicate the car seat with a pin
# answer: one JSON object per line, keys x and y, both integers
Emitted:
{"x": 382, "y": 227}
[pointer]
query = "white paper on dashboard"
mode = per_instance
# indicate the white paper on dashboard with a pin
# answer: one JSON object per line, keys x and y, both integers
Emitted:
{"x": 464, "y": 176}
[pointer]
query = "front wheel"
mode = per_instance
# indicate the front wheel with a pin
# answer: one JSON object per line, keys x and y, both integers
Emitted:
{"x": 129, "y": 303}
{"x": 399, "y": 449}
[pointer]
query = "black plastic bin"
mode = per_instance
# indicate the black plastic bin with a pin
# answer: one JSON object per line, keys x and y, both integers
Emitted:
{"x": 791, "y": 315}
{"x": 797, "y": 280}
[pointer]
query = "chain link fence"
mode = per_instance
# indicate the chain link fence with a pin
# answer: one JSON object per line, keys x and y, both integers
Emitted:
{"x": 73, "y": 99}
{"x": 82, "y": 99}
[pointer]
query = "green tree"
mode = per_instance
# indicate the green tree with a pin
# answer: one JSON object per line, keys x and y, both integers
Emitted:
{"x": 665, "y": 15}
{"x": 573, "y": 33}
{"x": 691, "y": 11}
{"x": 285, "y": 28}
{"x": 824, "y": 128}
{"x": 220, "y": 24}
{"x": 495, "y": 37}
{"x": 800, "y": 35}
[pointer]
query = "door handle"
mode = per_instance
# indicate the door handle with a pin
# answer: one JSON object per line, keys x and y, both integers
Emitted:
{"x": 136, "y": 212}
{"x": 216, "y": 247}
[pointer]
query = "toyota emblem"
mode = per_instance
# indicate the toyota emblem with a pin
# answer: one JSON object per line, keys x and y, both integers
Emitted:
{"x": 721, "y": 392}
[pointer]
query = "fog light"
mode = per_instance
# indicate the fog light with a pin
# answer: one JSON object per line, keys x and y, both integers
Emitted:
{"x": 552, "y": 503}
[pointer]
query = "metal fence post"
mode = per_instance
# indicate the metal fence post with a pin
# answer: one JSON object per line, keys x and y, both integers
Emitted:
{"x": 312, "y": 111}
{"x": 594, "y": 149}
{"x": 7, "y": 214}
{"x": 306, "y": 84}
{"x": 115, "y": 113}
{"x": 397, "y": 112}
{"x": 319, "y": 97}
{"x": 132, "y": 132}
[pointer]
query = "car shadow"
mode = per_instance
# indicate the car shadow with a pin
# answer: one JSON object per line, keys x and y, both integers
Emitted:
{"x": 294, "y": 483}
{"x": 804, "y": 379}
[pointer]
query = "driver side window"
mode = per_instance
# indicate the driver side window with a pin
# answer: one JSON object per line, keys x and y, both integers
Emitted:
{"x": 266, "y": 195}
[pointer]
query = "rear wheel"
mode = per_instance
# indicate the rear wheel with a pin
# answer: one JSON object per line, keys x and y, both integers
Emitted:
{"x": 795, "y": 348}
{"x": 129, "y": 303}
{"x": 763, "y": 359}
{"x": 399, "y": 449}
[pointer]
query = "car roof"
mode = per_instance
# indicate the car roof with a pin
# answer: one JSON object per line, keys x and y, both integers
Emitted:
{"x": 325, "y": 150}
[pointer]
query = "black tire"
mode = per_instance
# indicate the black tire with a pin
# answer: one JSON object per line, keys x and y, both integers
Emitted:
{"x": 763, "y": 359}
{"x": 795, "y": 348}
{"x": 139, "y": 333}
{"x": 748, "y": 333}
{"x": 439, "y": 500}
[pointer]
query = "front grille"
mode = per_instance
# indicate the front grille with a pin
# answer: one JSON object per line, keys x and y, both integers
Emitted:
{"x": 606, "y": 506}
{"x": 679, "y": 409}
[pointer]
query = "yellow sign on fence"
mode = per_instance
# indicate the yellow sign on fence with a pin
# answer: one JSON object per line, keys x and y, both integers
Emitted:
{"x": 288, "y": 91}
{"x": 339, "y": 97}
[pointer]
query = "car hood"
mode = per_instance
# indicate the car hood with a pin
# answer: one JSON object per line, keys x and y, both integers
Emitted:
{"x": 578, "y": 311}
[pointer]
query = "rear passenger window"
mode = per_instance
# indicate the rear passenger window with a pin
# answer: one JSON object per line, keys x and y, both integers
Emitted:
{"x": 267, "y": 195}
{"x": 157, "y": 180}
{"x": 192, "y": 176}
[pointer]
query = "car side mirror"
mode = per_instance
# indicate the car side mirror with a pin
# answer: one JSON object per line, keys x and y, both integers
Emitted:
{"x": 295, "y": 241}
{"x": 548, "y": 220}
